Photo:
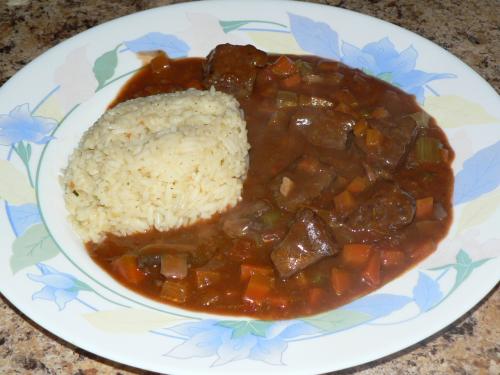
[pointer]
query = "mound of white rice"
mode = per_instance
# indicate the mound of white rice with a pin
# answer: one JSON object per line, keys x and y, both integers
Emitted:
{"x": 162, "y": 161}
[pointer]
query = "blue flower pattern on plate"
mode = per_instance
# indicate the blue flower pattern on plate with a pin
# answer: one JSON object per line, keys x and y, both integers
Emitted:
{"x": 480, "y": 174}
{"x": 382, "y": 60}
{"x": 235, "y": 340}
{"x": 60, "y": 287}
{"x": 315, "y": 37}
{"x": 21, "y": 125}
{"x": 378, "y": 305}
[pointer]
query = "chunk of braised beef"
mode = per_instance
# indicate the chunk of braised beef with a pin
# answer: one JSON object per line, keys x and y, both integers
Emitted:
{"x": 301, "y": 183}
{"x": 307, "y": 241}
{"x": 323, "y": 127}
{"x": 233, "y": 69}
{"x": 389, "y": 208}
{"x": 397, "y": 137}
{"x": 245, "y": 219}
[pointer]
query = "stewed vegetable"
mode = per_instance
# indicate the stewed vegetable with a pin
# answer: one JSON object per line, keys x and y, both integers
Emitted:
{"x": 349, "y": 185}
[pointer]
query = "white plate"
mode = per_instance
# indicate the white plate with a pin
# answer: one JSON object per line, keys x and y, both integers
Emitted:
{"x": 45, "y": 272}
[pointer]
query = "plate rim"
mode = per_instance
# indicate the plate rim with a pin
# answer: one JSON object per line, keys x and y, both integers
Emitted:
{"x": 69, "y": 41}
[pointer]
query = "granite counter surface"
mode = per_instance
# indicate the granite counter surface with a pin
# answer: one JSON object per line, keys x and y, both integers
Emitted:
{"x": 468, "y": 29}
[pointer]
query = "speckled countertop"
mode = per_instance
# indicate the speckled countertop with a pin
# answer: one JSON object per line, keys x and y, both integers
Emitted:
{"x": 468, "y": 29}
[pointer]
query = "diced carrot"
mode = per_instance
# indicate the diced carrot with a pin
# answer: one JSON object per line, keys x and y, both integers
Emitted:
{"x": 371, "y": 272}
{"x": 356, "y": 254}
{"x": 291, "y": 81}
{"x": 175, "y": 291}
{"x": 248, "y": 270}
{"x": 341, "y": 280}
{"x": 344, "y": 202}
{"x": 391, "y": 258}
{"x": 126, "y": 266}
{"x": 358, "y": 184}
{"x": 316, "y": 296}
{"x": 373, "y": 138}
{"x": 360, "y": 127}
{"x": 380, "y": 112}
{"x": 258, "y": 289}
{"x": 206, "y": 278}
{"x": 425, "y": 207}
{"x": 283, "y": 66}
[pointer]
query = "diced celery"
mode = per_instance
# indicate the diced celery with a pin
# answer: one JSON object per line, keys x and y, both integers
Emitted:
{"x": 428, "y": 149}
{"x": 285, "y": 99}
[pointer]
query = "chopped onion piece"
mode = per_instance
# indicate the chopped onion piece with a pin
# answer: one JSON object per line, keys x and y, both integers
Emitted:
{"x": 286, "y": 186}
{"x": 174, "y": 266}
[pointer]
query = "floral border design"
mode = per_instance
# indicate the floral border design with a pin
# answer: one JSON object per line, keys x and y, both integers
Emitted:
{"x": 26, "y": 133}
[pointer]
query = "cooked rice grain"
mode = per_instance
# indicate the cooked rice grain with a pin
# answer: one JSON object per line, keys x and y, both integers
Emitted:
{"x": 161, "y": 161}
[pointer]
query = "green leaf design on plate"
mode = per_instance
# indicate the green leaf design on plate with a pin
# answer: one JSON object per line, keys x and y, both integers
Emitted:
{"x": 28, "y": 151}
{"x": 228, "y": 26}
{"x": 441, "y": 267}
{"x": 338, "y": 320}
{"x": 464, "y": 268}
{"x": 80, "y": 285}
{"x": 24, "y": 151}
{"x": 104, "y": 67}
{"x": 34, "y": 246}
{"x": 243, "y": 328}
